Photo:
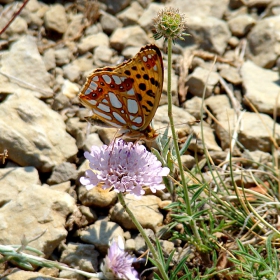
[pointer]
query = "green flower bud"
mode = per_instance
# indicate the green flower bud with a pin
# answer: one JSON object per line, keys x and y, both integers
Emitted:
{"x": 169, "y": 23}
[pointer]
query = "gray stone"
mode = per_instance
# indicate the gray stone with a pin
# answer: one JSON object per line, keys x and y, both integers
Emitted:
{"x": 70, "y": 89}
{"x": 75, "y": 26}
{"x": 193, "y": 106}
{"x": 180, "y": 116}
{"x": 241, "y": 25}
{"x": 109, "y": 23}
{"x": 92, "y": 41}
{"x": 55, "y": 19}
{"x": 146, "y": 21}
{"x": 20, "y": 274}
{"x": 60, "y": 102}
{"x": 130, "y": 15}
{"x": 148, "y": 217}
{"x": 80, "y": 256}
{"x": 259, "y": 84}
{"x": 201, "y": 8}
{"x": 188, "y": 161}
{"x": 49, "y": 59}
{"x": 113, "y": 7}
{"x": 264, "y": 52}
{"x": 97, "y": 197}
{"x": 33, "y": 133}
{"x": 201, "y": 78}
{"x": 130, "y": 36}
{"x": 72, "y": 72}
{"x": 220, "y": 107}
{"x": 62, "y": 56}
{"x": 18, "y": 26}
{"x": 209, "y": 140}
{"x": 209, "y": 33}
{"x": 258, "y": 136}
{"x": 102, "y": 55}
{"x": 26, "y": 66}
{"x": 100, "y": 234}
{"x": 63, "y": 172}
{"x": 92, "y": 140}
{"x": 33, "y": 210}
{"x": 231, "y": 74}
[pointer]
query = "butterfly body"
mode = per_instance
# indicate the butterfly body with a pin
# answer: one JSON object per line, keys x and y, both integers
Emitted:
{"x": 126, "y": 96}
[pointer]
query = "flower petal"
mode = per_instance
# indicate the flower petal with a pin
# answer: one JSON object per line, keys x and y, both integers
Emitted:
{"x": 126, "y": 166}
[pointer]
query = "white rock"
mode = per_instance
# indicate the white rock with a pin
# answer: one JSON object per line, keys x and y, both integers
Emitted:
{"x": 148, "y": 217}
{"x": 92, "y": 41}
{"x": 130, "y": 36}
{"x": 215, "y": 30}
{"x": 260, "y": 83}
{"x": 34, "y": 134}
{"x": 33, "y": 210}
{"x": 264, "y": 52}
{"x": 80, "y": 256}
{"x": 56, "y": 19}
{"x": 25, "y": 63}
{"x": 70, "y": 89}
{"x": 100, "y": 234}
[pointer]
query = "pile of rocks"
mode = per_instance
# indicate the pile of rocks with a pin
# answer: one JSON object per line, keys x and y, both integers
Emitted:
{"x": 46, "y": 55}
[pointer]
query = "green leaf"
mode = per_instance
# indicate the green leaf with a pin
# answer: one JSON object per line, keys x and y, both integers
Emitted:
{"x": 170, "y": 162}
{"x": 186, "y": 144}
{"x": 158, "y": 156}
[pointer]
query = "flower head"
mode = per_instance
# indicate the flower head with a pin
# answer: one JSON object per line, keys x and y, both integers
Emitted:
{"x": 118, "y": 264}
{"x": 125, "y": 166}
{"x": 169, "y": 23}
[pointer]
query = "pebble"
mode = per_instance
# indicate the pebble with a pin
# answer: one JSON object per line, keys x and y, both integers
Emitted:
{"x": 55, "y": 19}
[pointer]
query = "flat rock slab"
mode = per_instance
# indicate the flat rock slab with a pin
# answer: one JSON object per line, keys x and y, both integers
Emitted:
{"x": 33, "y": 134}
{"x": 33, "y": 210}
{"x": 26, "y": 65}
{"x": 261, "y": 87}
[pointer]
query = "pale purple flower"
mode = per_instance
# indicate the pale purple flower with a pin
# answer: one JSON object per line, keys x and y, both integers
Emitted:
{"x": 118, "y": 264}
{"x": 125, "y": 166}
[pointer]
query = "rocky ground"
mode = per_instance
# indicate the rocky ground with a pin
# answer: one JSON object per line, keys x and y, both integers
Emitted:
{"x": 46, "y": 55}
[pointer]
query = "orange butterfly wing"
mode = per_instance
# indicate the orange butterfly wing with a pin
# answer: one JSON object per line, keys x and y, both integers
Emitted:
{"x": 126, "y": 96}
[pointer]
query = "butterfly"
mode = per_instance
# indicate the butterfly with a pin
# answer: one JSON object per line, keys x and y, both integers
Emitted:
{"x": 126, "y": 96}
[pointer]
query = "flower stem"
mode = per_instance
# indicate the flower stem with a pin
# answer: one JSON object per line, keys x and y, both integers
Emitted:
{"x": 174, "y": 135}
{"x": 148, "y": 241}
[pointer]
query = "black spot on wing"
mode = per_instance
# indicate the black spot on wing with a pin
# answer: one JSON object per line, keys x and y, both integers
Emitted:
{"x": 150, "y": 93}
{"x": 142, "y": 86}
{"x": 146, "y": 109}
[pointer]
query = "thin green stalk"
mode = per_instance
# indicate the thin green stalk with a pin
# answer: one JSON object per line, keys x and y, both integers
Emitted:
{"x": 144, "y": 235}
{"x": 174, "y": 135}
{"x": 10, "y": 253}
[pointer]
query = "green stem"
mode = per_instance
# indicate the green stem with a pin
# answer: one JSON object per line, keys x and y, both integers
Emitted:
{"x": 144, "y": 235}
{"x": 174, "y": 135}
